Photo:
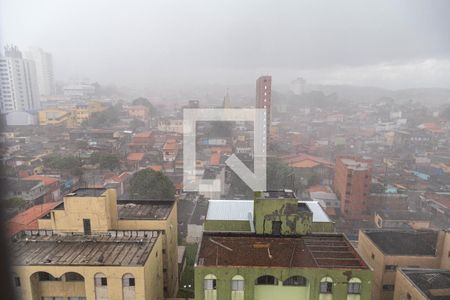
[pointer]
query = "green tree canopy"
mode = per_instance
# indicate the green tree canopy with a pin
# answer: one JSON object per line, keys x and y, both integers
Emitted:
{"x": 103, "y": 119}
{"x": 145, "y": 102}
{"x": 106, "y": 160}
{"x": 151, "y": 185}
{"x": 61, "y": 162}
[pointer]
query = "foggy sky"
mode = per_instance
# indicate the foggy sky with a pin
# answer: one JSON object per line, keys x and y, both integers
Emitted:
{"x": 388, "y": 43}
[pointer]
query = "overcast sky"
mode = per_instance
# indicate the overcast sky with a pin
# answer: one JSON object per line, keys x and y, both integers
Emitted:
{"x": 387, "y": 43}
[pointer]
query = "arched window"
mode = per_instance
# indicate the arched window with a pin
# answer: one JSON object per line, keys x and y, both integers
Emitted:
{"x": 210, "y": 287}
{"x": 128, "y": 287}
{"x": 210, "y": 282}
{"x": 354, "y": 286}
{"x": 326, "y": 285}
{"x": 100, "y": 280}
{"x": 72, "y": 276}
{"x": 266, "y": 280}
{"x": 237, "y": 283}
{"x": 44, "y": 276}
{"x": 101, "y": 286}
{"x": 295, "y": 281}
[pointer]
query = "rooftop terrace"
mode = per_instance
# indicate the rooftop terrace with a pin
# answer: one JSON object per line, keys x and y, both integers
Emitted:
{"x": 311, "y": 251}
{"x": 86, "y": 192}
{"x": 144, "y": 210}
{"x": 115, "y": 248}
{"x": 404, "y": 242}
{"x": 435, "y": 284}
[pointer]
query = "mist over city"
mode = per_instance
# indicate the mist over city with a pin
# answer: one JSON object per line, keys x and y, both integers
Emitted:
{"x": 224, "y": 150}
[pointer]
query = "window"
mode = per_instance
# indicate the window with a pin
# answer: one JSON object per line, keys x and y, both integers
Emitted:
{"x": 100, "y": 280}
{"x": 388, "y": 287}
{"x": 72, "y": 276}
{"x": 354, "y": 288}
{"x": 326, "y": 285}
{"x": 87, "y": 226}
{"x": 266, "y": 280}
{"x": 44, "y": 276}
{"x": 76, "y": 298}
{"x": 128, "y": 280}
{"x": 390, "y": 268}
{"x": 237, "y": 283}
{"x": 373, "y": 256}
{"x": 17, "y": 281}
{"x": 210, "y": 282}
{"x": 295, "y": 281}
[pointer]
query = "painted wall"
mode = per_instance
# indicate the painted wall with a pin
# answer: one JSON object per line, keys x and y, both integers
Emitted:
{"x": 313, "y": 275}
{"x": 403, "y": 287}
{"x": 226, "y": 226}
{"x": 285, "y": 210}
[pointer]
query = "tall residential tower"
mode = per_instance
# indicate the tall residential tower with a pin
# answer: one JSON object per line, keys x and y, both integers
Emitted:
{"x": 44, "y": 70}
{"x": 18, "y": 84}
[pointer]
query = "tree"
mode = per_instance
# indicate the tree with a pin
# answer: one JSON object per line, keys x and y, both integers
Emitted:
{"x": 105, "y": 160}
{"x": 103, "y": 119}
{"x": 136, "y": 123}
{"x": 151, "y": 185}
{"x": 145, "y": 102}
{"x": 55, "y": 161}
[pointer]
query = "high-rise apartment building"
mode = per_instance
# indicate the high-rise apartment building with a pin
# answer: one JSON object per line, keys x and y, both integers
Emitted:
{"x": 18, "y": 84}
{"x": 44, "y": 70}
{"x": 352, "y": 180}
{"x": 264, "y": 98}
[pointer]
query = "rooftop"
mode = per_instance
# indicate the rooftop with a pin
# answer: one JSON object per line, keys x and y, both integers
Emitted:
{"x": 435, "y": 284}
{"x": 404, "y": 215}
{"x": 239, "y": 210}
{"x": 310, "y": 251}
{"x": 135, "y": 156}
{"x": 115, "y": 248}
{"x": 144, "y": 210}
{"x": 279, "y": 194}
{"x": 28, "y": 218}
{"x": 86, "y": 192}
{"x": 354, "y": 164}
{"x": 404, "y": 242}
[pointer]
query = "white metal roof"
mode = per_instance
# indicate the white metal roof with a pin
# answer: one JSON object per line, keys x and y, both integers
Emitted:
{"x": 319, "y": 214}
{"x": 237, "y": 210}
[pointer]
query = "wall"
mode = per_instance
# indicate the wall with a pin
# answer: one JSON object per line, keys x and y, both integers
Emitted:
{"x": 169, "y": 243}
{"x": 285, "y": 210}
{"x": 250, "y": 274}
{"x": 218, "y": 225}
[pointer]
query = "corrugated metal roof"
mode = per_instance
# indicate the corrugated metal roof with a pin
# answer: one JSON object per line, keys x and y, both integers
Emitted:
{"x": 225, "y": 210}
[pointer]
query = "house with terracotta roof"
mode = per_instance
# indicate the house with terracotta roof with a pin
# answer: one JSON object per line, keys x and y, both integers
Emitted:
{"x": 170, "y": 150}
{"x": 134, "y": 160}
{"x": 308, "y": 166}
{"x": 28, "y": 219}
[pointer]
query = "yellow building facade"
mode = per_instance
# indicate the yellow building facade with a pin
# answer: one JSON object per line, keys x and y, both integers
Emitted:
{"x": 133, "y": 244}
{"x": 53, "y": 116}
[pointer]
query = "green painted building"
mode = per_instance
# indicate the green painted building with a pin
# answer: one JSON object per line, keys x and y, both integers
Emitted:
{"x": 270, "y": 253}
{"x": 274, "y": 212}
